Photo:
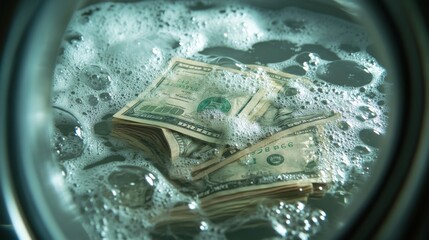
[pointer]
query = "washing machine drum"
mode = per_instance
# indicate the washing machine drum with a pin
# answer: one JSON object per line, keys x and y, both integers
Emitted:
{"x": 373, "y": 71}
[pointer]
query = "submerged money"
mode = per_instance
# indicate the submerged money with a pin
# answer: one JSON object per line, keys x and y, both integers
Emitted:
{"x": 177, "y": 122}
{"x": 291, "y": 126}
{"x": 191, "y": 99}
{"x": 182, "y": 99}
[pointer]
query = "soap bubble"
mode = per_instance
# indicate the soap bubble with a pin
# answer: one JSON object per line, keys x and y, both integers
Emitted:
{"x": 96, "y": 77}
{"x": 68, "y": 139}
{"x": 132, "y": 186}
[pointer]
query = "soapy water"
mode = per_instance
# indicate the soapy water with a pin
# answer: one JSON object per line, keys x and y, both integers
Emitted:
{"x": 112, "y": 52}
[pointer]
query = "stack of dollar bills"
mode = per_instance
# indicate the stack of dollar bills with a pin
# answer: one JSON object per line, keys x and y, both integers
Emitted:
{"x": 219, "y": 132}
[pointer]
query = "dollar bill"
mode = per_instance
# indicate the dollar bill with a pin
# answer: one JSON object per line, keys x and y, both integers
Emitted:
{"x": 189, "y": 95}
{"x": 175, "y": 101}
{"x": 149, "y": 139}
{"x": 221, "y": 210}
{"x": 288, "y": 126}
{"x": 266, "y": 113}
{"x": 179, "y": 144}
{"x": 177, "y": 122}
{"x": 286, "y": 169}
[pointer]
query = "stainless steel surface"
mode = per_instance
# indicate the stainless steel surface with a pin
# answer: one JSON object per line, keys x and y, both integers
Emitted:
{"x": 35, "y": 201}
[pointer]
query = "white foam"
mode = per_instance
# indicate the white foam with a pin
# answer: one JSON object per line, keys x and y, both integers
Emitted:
{"x": 134, "y": 42}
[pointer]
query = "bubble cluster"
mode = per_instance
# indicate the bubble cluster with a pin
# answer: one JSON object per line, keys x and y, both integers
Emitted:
{"x": 112, "y": 51}
{"x": 95, "y": 77}
{"x": 291, "y": 221}
{"x": 68, "y": 140}
{"x": 132, "y": 186}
